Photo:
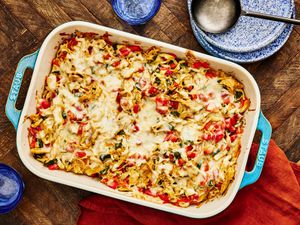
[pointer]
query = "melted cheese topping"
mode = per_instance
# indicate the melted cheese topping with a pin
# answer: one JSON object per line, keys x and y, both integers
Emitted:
{"x": 145, "y": 122}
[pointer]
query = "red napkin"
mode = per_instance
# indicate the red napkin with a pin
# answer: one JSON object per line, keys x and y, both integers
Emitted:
{"x": 273, "y": 199}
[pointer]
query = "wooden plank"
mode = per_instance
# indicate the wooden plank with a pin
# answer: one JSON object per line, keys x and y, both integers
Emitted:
{"x": 179, "y": 9}
{"x": 288, "y": 133}
{"x": 40, "y": 218}
{"x": 297, "y": 4}
{"x": 6, "y": 140}
{"x": 29, "y": 17}
{"x": 285, "y": 106}
{"x": 279, "y": 82}
{"x": 4, "y": 40}
{"x": 10, "y": 25}
{"x": 168, "y": 23}
{"x": 50, "y": 11}
{"x": 153, "y": 32}
{"x": 77, "y": 11}
{"x": 271, "y": 68}
{"x": 102, "y": 10}
{"x": 188, "y": 41}
{"x": 293, "y": 153}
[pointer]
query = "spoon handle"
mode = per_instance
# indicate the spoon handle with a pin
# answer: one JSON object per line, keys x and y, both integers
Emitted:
{"x": 271, "y": 17}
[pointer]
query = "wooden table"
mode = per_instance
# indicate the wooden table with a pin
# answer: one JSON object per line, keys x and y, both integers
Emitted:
{"x": 25, "y": 23}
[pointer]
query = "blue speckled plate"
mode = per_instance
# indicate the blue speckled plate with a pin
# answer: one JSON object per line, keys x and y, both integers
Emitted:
{"x": 250, "y": 34}
{"x": 136, "y": 12}
{"x": 247, "y": 57}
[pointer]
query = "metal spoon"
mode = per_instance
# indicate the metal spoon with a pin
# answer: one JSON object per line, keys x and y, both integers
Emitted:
{"x": 217, "y": 16}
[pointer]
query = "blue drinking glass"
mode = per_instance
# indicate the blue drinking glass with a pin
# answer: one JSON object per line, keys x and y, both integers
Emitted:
{"x": 136, "y": 12}
{"x": 11, "y": 188}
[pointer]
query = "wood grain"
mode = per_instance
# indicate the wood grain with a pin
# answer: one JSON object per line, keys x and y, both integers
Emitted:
{"x": 25, "y": 23}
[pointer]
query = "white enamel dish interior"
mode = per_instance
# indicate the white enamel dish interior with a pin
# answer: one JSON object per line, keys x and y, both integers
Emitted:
{"x": 42, "y": 68}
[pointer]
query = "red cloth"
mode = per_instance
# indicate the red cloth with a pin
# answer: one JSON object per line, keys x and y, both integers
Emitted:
{"x": 273, "y": 199}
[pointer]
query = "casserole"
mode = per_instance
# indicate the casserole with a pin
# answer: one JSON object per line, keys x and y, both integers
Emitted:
{"x": 41, "y": 63}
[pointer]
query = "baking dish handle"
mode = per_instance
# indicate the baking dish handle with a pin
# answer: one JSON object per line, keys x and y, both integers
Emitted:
{"x": 266, "y": 130}
{"x": 11, "y": 111}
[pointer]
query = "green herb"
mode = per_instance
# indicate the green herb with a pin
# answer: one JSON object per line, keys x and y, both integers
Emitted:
{"x": 64, "y": 115}
{"x": 104, "y": 171}
{"x": 177, "y": 155}
{"x": 118, "y": 145}
{"x": 92, "y": 69}
{"x": 51, "y": 162}
{"x": 171, "y": 126}
{"x": 121, "y": 132}
{"x": 225, "y": 87}
{"x": 216, "y": 152}
{"x": 160, "y": 182}
{"x": 180, "y": 144}
{"x": 189, "y": 142}
{"x": 210, "y": 183}
{"x": 183, "y": 65}
{"x": 175, "y": 113}
{"x": 40, "y": 143}
{"x": 137, "y": 85}
{"x": 199, "y": 165}
{"x": 157, "y": 81}
{"x": 103, "y": 157}
{"x": 238, "y": 94}
{"x": 115, "y": 46}
{"x": 38, "y": 156}
{"x": 169, "y": 82}
{"x": 170, "y": 92}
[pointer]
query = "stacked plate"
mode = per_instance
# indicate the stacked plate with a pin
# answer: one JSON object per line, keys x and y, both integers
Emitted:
{"x": 251, "y": 39}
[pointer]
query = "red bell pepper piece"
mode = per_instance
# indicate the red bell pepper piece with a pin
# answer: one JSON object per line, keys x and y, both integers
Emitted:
{"x": 117, "y": 63}
{"x": 171, "y": 136}
{"x": 172, "y": 54}
{"x": 189, "y": 148}
{"x": 80, "y": 154}
{"x": 210, "y": 74}
{"x": 191, "y": 155}
{"x": 168, "y": 72}
{"x": 173, "y": 65}
{"x": 161, "y": 105}
{"x": 106, "y": 56}
{"x": 180, "y": 162}
{"x": 135, "y": 48}
{"x": 124, "y": 51}
{"x": 113, "y": 185}
{"x": 136, "y": 108}
{"x": 106, "y": 38}
{"x": 174, "y": 104}
{"x": 55, "y": 62}
{"x": 136, "y": 128}
{"x": 197, "y": 64}
{"x": 164, "y": 198}
{"x": 72, "y": 42}
{"x": 33, "y": 142}
{"x": 118, "y": 98}
{"x": 45, "y": 104}
{"x": 53, "y": 167}
{"x": 153, "y": 91}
